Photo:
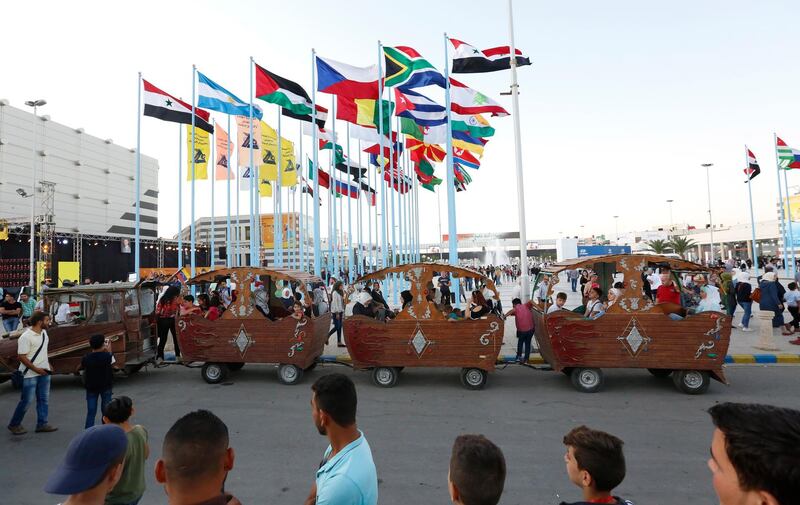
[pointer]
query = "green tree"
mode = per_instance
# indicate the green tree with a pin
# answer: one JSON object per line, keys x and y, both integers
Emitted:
{"x": 681, "y": 245}
{"x": 658, "y": 246}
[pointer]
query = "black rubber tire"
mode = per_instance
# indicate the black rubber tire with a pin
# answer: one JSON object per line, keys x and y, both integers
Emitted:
{"x": 691, "y": 382}
{"x": 660, "y": 372}
{"x": 214, "y": 373}
{"x": 235, "y": 367}
{"x": 474, "y": 378}
{"x": 587, "y": 380}
{"x": 385, "y": 376}
{"x": 566, "y": 371}
{"x": 289, "y": 375}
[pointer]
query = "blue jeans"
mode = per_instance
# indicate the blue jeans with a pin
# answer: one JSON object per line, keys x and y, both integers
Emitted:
{"x": 524, "y": 345}
{"x": 574, "y": 283}
{"x": 40, "y": 387}
{"x": 11, "y": 323}
{"x": 747, "y": 307}
{"x": 91, "y": 405}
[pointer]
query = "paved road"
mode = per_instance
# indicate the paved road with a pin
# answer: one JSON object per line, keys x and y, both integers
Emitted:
{"x": 411, "y": 429}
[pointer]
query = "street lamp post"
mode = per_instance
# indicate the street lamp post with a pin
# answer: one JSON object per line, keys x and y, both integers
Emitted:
{"x": 32, "y": 273}
{"x": 710, "y": 221}
{"x": 616, "y": 228}
{"x": 671, "y": 225}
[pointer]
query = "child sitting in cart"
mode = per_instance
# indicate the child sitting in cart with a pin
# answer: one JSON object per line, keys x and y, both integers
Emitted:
{"x": 298, "y": 312}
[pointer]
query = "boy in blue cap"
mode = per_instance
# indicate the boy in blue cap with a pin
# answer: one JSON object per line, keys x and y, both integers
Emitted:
{"x": 91, "y": 467}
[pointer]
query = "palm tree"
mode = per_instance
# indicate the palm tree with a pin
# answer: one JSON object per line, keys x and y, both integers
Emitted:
{"x": 681, "y": 245}
{"x": 658, "y": 246}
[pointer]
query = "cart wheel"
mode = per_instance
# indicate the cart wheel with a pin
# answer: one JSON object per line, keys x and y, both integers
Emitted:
{"x": 311, "y": 367}
{"x": 660, "y": 372}
{"x": 289, "y": 374}
{"x": 691, "y": 382}
{"x": 235, "y": 367}
{"x": 566, "y": 371}
{"x": 587, "y": 380}
{"x": 385, "y": 376}
{"x": 474, "y": 378}
{"x": 214, "y": 373}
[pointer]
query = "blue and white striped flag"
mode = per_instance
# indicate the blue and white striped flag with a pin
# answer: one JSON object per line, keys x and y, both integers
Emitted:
{"x": 212, "y": 96}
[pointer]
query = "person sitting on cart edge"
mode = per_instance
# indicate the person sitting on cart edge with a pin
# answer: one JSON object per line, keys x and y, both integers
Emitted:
{"x": 561, "y": 299}
{"x": 754, "y": 456}
{"x": 595, "y": 463}
{"x": 195, "y": 461}
{"x": 477, "y": 471}
{"x": 347, "y": 472}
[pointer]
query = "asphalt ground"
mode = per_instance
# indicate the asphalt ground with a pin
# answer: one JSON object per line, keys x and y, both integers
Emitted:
{"x": 411, "y": 430}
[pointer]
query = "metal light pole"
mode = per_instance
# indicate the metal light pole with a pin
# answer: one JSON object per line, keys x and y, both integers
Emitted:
{"x": 710, "y": 221}
{"x": 671, "y": 226}
{"x": 616, "y": 228}
{"x": 32, "y": 279}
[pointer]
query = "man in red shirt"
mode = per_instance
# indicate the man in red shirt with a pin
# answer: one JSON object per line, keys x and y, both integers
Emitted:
{"x": 667, "y": 292}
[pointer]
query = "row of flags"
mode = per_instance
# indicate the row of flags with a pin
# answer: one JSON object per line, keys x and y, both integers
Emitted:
{"x": 788, "y": 159}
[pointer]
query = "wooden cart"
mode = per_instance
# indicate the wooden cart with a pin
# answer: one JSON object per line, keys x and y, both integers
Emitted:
{"x": 123, "y": 312}
{"x": 634, "y": 332}
{"x": 421, "y": 335}
{"x": 245, "y": 335}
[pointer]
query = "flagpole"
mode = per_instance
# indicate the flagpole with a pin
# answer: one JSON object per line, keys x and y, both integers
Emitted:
{"x": 194, "y": 178}
{"x": 350, "y": 258}
{"x": 789, "y": 216}
{"x": 360, "y": 219}
{"x": 780, "y": 200}
{"x": 229, "y": 251}
{"x": 752, "y": 218}
{"x": 213, "y": 177}
{"x": 253, "y": 176}
{"x": 137, "y": 233}
{"x": 278, "y": 223}
{"x": 450, "y": 181}
{"x": 301, "y": 227}
{"x": 334, "y": 243}
{"x": 315, "y": 150}
{"x": 384, "y": 236}
{"x": 417, "y": 240}
{"x": 180, "y": 196}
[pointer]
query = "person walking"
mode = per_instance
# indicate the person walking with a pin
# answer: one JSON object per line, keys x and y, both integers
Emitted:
{"x": 36, "y": 370}
{"x": 744, "y": 291}
{"x": 98, "y": 377}
{"x": 523, "y": 318}
{"x": 166, "y": 309}
{"x": 572, "y": 276}
{"x": 337, "y": 312}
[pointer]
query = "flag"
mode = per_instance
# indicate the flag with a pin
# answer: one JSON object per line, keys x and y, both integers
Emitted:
{"x": 753, "y": 169}
{"x": 406, "y": 68}
{"x": 307, "y": 188}
{"x": 324, "y": 178}
{"x": 463, "y": 140}
{"x": 264, "y": 188}
{"x": 289, "y": 171}
{"x": 787, "y": 157}
{"x": 244, "y": 178}
{"x": 365, "y": 112}
{"x": 342, "y": 188}
{"x": 322, "y": 116}
{"x": 275, "y": 89}
{"x": 421, "y": 150}
{"x": 423, "y": 110}
{"x": 222, "y": 143}
{"x": 468, "y": 60}
{"x": 339, "y": 152}
{"x": 338, "y": 78}
{"x": 202, "y": 146}
{"x": 464, "y": 100}
{"x": 475, "y": 125}
{"x": 465, "y": 158}
{"x": 243, "y": 140}
{"x": 400, "y": 182}
{"x": 375, "y": 151}
{"x": 351, "y": 168}
{"x": 161, "y": 105}
{"x": 369, "y": 134}
{"x": 214, "y": 97}
{"x": 269, "y": 153}
{"x": 322, "y": 133}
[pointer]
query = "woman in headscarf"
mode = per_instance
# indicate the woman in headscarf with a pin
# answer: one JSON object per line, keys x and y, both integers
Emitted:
{"x": 728, "y": 293}
{"x": 770, "y": 298}
{"x": 743, "y": 292}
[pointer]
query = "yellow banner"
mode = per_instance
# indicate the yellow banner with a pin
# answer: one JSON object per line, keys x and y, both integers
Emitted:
{"x": 269, "y": 152}
{"x": 289, "y": 172}
{"x": 243, "y": 140}
{"x": 200, "y": 155}
{"x": 68, "y": 271}
{"x": 264, "y": 184}
{"x": 222, "y": 144}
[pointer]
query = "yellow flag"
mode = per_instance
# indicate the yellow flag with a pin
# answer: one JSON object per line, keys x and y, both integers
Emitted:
{"x": 200, "y": 155}
{"x": 264, "y": 185}
{"x": 269, "y": 151}
{"x": 289, "y": 172}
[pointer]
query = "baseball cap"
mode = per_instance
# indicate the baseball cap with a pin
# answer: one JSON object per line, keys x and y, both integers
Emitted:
{"x": 88, "y": 457}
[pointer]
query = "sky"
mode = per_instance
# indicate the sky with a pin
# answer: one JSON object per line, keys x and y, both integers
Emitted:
{"x": 623, "y": 102}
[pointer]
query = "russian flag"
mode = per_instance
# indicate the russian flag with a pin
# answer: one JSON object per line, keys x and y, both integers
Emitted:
{"x": 346, "y": 189}
{"x": 341, "y": 79}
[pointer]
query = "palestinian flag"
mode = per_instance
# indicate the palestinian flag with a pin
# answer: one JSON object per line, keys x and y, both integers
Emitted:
{"x": 161, "y": 105}
{"x": 469, "y": 60}
{"x": 788, "y": 158}
{"x": 275, "y": 89}
{"x": 407, "y": 69}
{"x": 753, "y": 169}
{"x": 322, "y": 116}
{"x": 464, "y": 100}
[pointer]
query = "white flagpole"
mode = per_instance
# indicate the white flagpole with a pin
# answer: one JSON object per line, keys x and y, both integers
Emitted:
{"x": 791, "y": 228}
{"x": 450, "y": 180}
{"x": 192, "y": 242}
{"x": 350, "y": 258}
{"x": 370, "y": 249}
{"x": 137, "y": 233}
{"x": 212, "y": 164}
{"x": 314, "y": 151}
{"x": 384, "y": 235}
{"x": 335, "y": 233}
{"x": 360, "y": 255}
{"x": 180, "y": 196}
{"x": 277, "y": 220}
{"x": 784, "y": 235}
{"x": 229, "y": 250}
{"x": 752, "y": 219}
{"x": 253, "y": 187}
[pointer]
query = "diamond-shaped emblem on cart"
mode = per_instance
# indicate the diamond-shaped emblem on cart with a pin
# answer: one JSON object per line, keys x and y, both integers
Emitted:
{"x": 242, "y": 341}
{"x": 634, "y": 338}
{"x": 419, "y": 342}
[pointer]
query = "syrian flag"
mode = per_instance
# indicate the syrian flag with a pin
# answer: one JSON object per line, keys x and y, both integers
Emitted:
{"x": 161, "y": 105}
{"x": 469, "y": 60}
{"x": 322, "y": 116}
{"x": 467, "y": 101}
{"x": 753, "y": 169}
{"x": 789, "y": 158}
{"x": 288, "y": 94}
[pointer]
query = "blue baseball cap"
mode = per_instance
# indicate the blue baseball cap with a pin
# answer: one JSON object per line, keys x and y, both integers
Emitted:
{"x": 88, "y": 457}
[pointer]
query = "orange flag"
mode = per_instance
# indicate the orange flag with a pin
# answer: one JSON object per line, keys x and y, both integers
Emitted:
{"x": 223, "y": 148}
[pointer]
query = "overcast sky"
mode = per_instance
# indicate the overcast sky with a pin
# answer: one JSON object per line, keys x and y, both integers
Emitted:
{"x": 624, "y": 100}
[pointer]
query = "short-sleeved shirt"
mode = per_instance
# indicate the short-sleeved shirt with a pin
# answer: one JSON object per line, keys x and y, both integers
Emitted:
{"x": 791, "y": 298}
{"x": 27, "y": 344}
{"x": 98, "y": 371}
{"x": 131, "y": 485}
{"x": 523, "y": 317}
{"x": 348, "y": 478}
{"x": 28, "y": 307}
{"x": 668, "y": 294}
{"x": 10, "y": 306}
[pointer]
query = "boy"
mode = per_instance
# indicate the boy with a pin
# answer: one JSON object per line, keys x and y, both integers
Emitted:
{"x": 595, "y": 463}
{"x": 561, "y": 299}
{"x": 524, "y": 322}
{"x": 130, "y": 487}
{"x": 98, "y": 375}
{"x": 477, "y": 471}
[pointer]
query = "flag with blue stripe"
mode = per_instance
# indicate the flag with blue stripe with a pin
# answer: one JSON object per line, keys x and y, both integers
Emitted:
{"x": 212, "y": 96}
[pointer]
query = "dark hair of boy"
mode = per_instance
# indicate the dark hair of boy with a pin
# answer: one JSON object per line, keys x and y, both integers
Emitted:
{"x": 119, "y": 409}
{"x": 598, "y": 291}
{"x": 335, "y": 394}
{"x": 97, "y": 341}
{"x": 599, "y": 454}
{"x": 477, "y": 471}
{"x": 37, "y": 318}
{"x": 194, "y": 445}
{"x": 561, "y": 296}
{"x": 516, "y": 301}
{"x": 762, "y": 443}
{"x": 189, "y": 298}
{"x": 792, "y": 286}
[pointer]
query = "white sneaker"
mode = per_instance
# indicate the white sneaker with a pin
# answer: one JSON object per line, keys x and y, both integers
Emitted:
{"x": 746, "y": 329}
{"x": 740, "y": 325}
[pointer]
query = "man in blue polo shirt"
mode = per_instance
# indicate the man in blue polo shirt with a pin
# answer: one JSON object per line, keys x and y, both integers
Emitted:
{"x": 346, "y": 475}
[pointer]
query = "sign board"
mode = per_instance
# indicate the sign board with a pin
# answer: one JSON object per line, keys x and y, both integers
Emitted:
{"x": 595, "y": 250}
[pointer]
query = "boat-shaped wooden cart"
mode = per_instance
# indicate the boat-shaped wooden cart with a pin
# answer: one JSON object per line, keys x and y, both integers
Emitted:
{"x": 634, "y": 332}
{"x": 421, "y": 335}
{"x": 243, "y": 334}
